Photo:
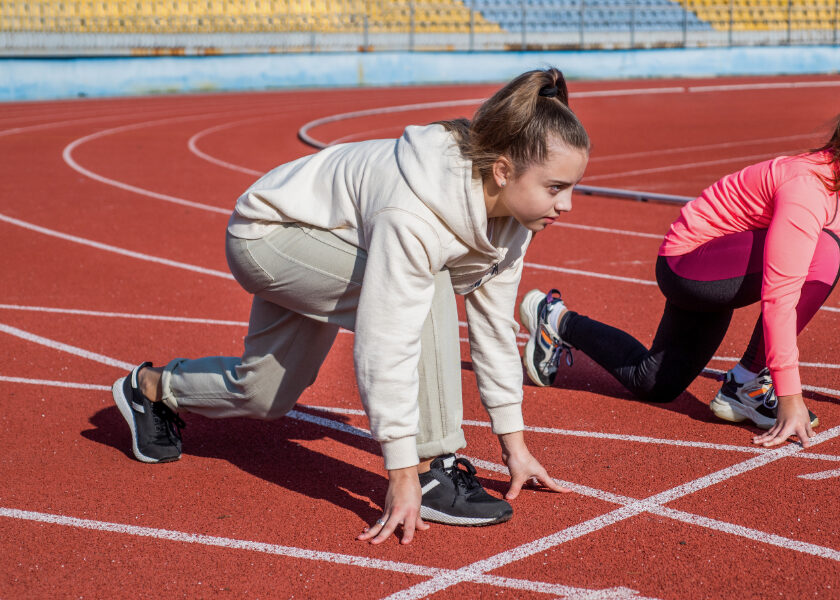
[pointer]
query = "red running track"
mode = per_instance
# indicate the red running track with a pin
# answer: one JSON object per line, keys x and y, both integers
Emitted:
{"x": 112, "y": 216}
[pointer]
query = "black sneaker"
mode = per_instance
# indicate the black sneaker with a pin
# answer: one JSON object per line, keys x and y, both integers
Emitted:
{"x": 454, "y": 496}
{"x": 754, "y": 400}
{"x": 544, "y": 348}
{"x": 155, "y": 428}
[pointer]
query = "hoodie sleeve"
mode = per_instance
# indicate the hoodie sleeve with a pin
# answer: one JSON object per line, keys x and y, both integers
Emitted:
{"x": 493, "y": 349}
{"x": 396, "y": 297}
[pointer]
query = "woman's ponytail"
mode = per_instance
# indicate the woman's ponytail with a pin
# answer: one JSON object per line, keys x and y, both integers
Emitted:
{"x": 518, "y": 120}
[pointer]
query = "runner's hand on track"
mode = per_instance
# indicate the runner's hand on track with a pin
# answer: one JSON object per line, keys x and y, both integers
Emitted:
{"x": 792, "y": 418}
{"x": 402, "y": 507}
{"x": 523, "y": 466}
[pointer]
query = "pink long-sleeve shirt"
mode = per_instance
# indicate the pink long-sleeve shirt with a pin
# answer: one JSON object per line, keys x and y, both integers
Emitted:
{"x": 785, "y": 196}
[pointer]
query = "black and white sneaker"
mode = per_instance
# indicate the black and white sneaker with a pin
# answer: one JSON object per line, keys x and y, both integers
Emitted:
{"x": 155, "y": 428}
{"x": 453, "y": 496}
{"x": 754, "y": 400}
{"x": 544, "y": 347}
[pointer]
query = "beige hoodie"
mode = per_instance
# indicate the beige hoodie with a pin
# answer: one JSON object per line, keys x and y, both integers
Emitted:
{"x": 413, "y": 205}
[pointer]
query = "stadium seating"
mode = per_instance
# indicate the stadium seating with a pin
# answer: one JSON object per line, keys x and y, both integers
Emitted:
{"x": 589, "y": 15}
{"x": 421, "y": 16}
{"x": 180, "y": 16}
{"x": 766, "y": 15}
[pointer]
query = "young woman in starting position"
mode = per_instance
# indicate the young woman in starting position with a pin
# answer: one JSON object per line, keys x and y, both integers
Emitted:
{"x": 768, "y": 234}
{"x": 374, "y": 237}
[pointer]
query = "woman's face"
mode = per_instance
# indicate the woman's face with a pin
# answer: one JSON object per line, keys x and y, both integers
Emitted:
{"x": 537, "y": 196}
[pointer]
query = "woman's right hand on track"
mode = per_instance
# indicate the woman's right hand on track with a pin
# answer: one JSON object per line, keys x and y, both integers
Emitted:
{"x": 792, "y": 418}
{"x": 402, "y": 507}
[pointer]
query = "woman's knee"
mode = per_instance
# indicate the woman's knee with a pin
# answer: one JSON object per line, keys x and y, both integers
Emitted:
{"x": 268, "y": 398}
{"x": 655, "y": 396}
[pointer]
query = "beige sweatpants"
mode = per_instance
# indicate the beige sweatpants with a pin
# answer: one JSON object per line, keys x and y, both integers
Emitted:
{"x": 306, "y": 285}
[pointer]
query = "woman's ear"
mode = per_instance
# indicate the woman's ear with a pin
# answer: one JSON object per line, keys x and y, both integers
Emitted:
{"x": 502, "y": 171}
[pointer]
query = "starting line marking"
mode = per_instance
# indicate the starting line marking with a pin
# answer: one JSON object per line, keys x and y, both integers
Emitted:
{"x": 301, "y": 553}
{"x": 650, "y": 504}
{"x": 629, "y": 509}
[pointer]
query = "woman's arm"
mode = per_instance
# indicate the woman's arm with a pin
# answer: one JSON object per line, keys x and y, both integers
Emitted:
{"x": 498, "y": 370}
{"x": 798, "y": 218}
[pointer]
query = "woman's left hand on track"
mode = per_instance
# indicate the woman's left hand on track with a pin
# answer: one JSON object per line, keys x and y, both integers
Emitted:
{"x": 792, "y": 418}
{"x": 523, "y": 466}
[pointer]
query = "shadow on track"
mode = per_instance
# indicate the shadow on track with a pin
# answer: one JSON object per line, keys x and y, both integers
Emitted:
{"x": 270, "y": 450}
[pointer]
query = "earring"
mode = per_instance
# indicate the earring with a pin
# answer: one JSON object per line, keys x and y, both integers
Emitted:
{"x": 503, "y": 184}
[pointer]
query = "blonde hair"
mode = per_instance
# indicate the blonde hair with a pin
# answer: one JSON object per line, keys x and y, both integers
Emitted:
{"x": 517, "y": 121}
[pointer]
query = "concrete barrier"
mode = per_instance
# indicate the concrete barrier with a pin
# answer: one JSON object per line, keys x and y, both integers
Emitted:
{"x": 52, "y": 78}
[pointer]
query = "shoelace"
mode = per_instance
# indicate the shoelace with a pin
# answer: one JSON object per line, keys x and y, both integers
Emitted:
{"x": 558, "y": 347}
{"x": 464, "y": 479}
{"x": 167, "y": 420}
{"x": 763, "y": 382}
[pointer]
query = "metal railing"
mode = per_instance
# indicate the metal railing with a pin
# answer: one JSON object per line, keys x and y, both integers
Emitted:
{"x": 213, "y": 26}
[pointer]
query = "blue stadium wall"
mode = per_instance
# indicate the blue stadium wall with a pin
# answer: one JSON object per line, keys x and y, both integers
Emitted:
{"x": 51, "y": 78}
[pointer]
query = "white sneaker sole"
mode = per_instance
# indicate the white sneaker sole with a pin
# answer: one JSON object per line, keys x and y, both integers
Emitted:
{"x": 527, "y": 309}
{"x": 734, "y": 411}
{"x": 125, "y": 410}
{"x": 435, "y": 516}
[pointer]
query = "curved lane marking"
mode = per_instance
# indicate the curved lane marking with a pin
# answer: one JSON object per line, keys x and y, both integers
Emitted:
{"x": 192, "y": 144}
{"x": 114, "y": 249}
{"x": 67, "y": 154}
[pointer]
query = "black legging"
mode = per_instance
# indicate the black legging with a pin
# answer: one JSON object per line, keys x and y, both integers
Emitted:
{"x": 695, "y": 320}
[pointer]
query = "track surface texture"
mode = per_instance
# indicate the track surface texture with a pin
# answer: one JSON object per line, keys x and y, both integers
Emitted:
{"x": 112, "y": 219}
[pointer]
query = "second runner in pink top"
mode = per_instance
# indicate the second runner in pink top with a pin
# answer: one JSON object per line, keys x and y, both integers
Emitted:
{"x": 786, "y": 196}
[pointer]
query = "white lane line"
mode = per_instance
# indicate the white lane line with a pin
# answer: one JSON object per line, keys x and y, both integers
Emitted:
{"x": 589, "y": 274}
{"x": 81, "y": 121}
{"x": 606, "y": 436}
{"x": 130, "y": 113}
{"x": 501, "y": 559}
{"x": 55, "y": 345}
{"x": 746, "y": 532}
{"x": 296, "y": 553}
{"x": 613, "y": 277}
{"x": 54, "y": 124}
{"x": 802, "y": 364}
{"x": 470, "y": 572}
{"x": 704, "y": 147}
{"x": 762, "y": 86}
{"x": 67, "y": 154}
{"x": 581, "y": 489}
{"x": 681, "y": 166}
{"x": 821, "y": 475}
{"x": 329, "y": 423}
{"x": 192, "y": 144}
{"x": 122, "y": 315}
{"x": 52, "y": 383}
{"x": 222, "y": 542}
{"x": 303, "y": 132}
{"x": 114, "y": 249}
{"x": 625, "y": 500}
{"x": 653, "y": 236}
{"x": 806, "y": 388}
